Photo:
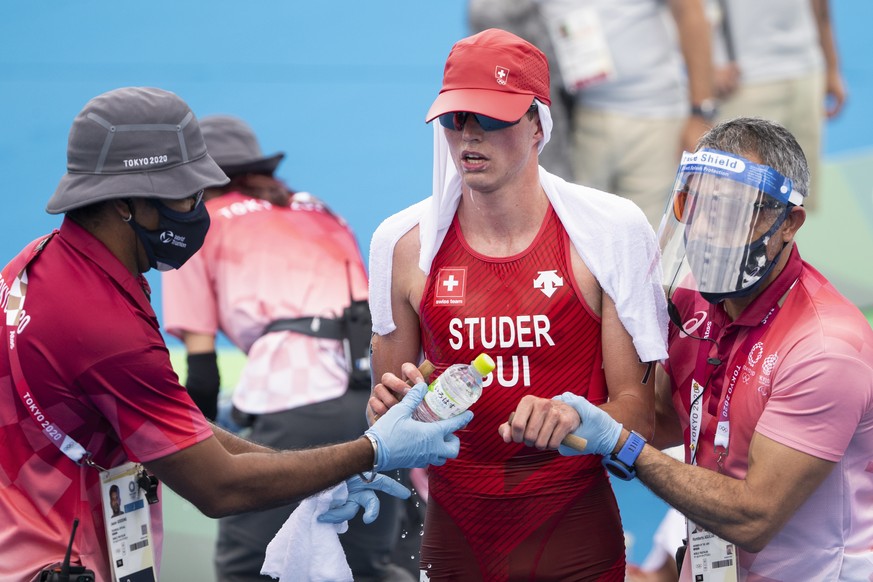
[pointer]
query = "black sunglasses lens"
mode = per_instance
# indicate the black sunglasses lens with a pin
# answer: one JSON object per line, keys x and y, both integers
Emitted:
{"x": 491, "y": 124}
{"x": 454, "y": 120}
{"x": 457, "y": 119}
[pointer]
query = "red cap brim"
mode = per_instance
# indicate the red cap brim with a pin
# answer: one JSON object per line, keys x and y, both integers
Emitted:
{"x": 497, "y": 104}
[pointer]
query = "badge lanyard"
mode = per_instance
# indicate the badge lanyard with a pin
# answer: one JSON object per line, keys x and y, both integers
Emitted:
{"x": 128, "y": 533}
{"x": 16, "y": 319}
{"x": 711, "y": 558}
{"x": 722, "y": 433}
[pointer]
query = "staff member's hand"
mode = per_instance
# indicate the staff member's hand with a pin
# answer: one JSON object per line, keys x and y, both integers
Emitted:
{"x": 362, "y": 494}
{"x": 406, "y": 443}
{"x": 549, "y": 423}
{"x": 597, "y": 427}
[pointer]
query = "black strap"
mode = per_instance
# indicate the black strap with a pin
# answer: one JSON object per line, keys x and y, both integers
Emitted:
{"x": 322, "y": 327}
{"x": 204, "y": 382}
{"x": 354, "y": 329}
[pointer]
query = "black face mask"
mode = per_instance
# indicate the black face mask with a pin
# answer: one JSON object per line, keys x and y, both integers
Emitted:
{"x": 179, "y": 235}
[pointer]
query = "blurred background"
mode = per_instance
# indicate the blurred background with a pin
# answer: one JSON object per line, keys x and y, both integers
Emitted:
{"x": 342, "y": 88}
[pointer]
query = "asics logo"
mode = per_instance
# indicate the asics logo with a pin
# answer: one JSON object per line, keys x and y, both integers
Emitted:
{"x": 694, "y": 323}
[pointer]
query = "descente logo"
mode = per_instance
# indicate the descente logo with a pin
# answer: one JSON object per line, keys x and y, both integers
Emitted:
{"x": 149, "y": 161}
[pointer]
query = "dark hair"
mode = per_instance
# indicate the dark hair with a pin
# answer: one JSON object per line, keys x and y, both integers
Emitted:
{"x": 89, "y": 215}
{"x": 770, "y": 142}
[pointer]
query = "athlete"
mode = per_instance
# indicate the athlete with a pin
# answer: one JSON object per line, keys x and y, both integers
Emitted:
{"x": 558, "y": 283}
{"x": 769, "y": 382}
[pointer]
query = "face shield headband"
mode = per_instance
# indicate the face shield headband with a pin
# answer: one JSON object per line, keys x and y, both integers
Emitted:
{"x": 721, "y": 215}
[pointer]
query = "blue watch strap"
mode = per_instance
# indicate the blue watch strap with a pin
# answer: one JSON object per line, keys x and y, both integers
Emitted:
{"x": 621, "y": 464}
{"x": 632, "y": 448}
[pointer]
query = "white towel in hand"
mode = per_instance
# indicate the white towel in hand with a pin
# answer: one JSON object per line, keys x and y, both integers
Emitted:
{"x": 306, "y": 550}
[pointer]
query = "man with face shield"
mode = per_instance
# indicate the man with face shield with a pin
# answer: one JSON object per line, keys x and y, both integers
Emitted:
{"x": 768, "y": 385}
{"x": 721, "y": 221}
{"x": 90, "y": 401}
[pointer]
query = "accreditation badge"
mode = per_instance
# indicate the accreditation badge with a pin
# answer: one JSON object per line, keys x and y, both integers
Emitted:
{"x": 580, "y": 45}
{"x": 127, "y": 518}
{"x": 712, "y": 558}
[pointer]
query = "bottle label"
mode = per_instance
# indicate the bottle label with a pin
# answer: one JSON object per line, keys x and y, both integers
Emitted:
{"x": 441, "y": 403}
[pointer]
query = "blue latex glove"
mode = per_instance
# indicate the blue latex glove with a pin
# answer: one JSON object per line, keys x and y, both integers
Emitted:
{"x": 407, "y": 443}
{"x": 362, "y": 494}
{"x": 598, "y": 428}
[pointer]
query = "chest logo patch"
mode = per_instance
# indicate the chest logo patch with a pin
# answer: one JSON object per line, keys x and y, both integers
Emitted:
{"x": 548, "y": 282}
{"x": 451, "y": 286}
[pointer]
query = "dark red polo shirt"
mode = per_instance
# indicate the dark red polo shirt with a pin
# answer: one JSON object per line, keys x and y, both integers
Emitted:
{"x": 94, "y": 359}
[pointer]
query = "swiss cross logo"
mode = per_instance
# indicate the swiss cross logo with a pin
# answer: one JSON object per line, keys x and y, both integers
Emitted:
{"x": 450, "y": 286}
{"x": 501, "y": 74}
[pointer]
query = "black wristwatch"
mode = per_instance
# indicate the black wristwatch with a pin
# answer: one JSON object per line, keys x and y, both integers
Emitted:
{"x": 707, "y": 110}
{"x": 621, "y": 464}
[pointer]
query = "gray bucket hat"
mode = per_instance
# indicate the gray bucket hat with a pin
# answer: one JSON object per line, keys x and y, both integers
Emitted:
{"x": 138, "y": 142}
{"x": 234, "y": 147}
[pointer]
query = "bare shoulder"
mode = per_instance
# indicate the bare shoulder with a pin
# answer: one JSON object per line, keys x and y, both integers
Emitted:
{"x": 408, "y": 279}
{"x": 590, "y": 288}
{"x": 408, "y": 247}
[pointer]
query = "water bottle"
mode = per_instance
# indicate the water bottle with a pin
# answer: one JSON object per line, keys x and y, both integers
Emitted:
{"x": 455, "y": 390}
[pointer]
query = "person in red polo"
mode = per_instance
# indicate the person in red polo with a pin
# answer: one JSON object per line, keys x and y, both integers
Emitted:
{"x": 769, "y": 382}
{"x": 89, "y": 397}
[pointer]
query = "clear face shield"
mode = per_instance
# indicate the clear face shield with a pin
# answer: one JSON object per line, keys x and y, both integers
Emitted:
{"x": 721, "y": 216}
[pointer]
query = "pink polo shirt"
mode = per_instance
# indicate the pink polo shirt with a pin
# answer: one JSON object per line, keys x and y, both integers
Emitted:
{"x": 260, "y": 263}
{"x": 806, "y": 383}
{"x": 93, "y": 357}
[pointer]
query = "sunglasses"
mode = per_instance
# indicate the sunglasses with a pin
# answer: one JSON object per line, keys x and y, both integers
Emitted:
{"x": 684, "y": 202}
{"x": 196, "y": 199}
{"x": 456, "y": 120}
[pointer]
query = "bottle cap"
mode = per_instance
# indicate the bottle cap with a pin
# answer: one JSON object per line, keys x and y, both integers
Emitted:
{"x": 483, "y": 364}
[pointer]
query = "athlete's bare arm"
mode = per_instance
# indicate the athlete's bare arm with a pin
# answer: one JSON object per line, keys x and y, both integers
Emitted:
{"x": 403, "y": 344}
{"x": 630, "y": 383}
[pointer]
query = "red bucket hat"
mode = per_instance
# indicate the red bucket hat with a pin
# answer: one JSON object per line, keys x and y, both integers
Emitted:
{"x": 493, "y": 73}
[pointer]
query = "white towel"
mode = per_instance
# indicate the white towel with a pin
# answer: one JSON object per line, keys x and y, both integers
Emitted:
{"x": 306, "y": 550}
{"x": 610, "y": 233}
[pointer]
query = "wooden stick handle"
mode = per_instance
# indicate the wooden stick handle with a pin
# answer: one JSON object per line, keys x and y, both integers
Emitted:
{"x": 426, "y": 369}
{"x": 572, "y": 441}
